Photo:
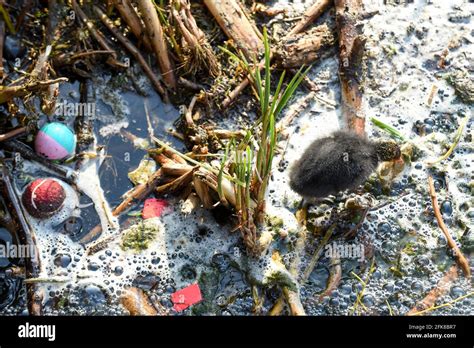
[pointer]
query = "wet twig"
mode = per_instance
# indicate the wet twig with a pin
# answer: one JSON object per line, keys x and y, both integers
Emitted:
{"x": 83, "y": 123}
{"x": 155, "y": 34}
{"x": 235, "y": 22}
{"x": 335, "y": 277}
{"x": 447, "y": 304}
{"x": 130, "y": 16}
{"x": 266, "y": 10}
{"x": 13, "y": 133}
{"x": 190, "y": 84}
{"x": 461, "y": 260}
{"x": 289, "y": 287}
{"x": 294, "y": 302}
{"x": 27, "y": 237}
{"x": 293, "y": 268}
{"x": 16, "y": 146}
{"x": 133, "y": 51}
{"x": 98, "y": 36}
{"x": 137, "y": 302}
{"x": 305, "y": 48}
{"x": 441, "y": 289}
{"x": 25, "y": 12}
{"x": 69, "y": 58}
{"x": 52, "y": 31}
{"x": 138, "y": 193}
{"x": 317, "y": 254}
{"x": 278, "y": 306}
{"x": 310, "y": 15}
{"x": 351, "y": 54}
{"x": 9, "y": 92}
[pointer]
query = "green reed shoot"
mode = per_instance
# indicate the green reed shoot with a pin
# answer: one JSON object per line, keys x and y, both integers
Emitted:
{"x": 270, "y": 107}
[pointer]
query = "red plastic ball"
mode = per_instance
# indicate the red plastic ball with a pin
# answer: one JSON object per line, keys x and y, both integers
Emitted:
{"x": 43, "y": 197}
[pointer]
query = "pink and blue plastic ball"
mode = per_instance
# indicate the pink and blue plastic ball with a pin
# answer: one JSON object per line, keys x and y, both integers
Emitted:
{"x": 55, "y": 141}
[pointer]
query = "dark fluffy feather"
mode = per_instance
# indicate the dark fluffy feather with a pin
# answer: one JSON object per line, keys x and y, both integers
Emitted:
{"x": 336, "y": 163}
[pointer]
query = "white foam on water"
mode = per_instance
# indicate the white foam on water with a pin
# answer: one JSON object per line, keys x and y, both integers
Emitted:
{"x": 88, "y": 182}
{"x": 398, "y": 89}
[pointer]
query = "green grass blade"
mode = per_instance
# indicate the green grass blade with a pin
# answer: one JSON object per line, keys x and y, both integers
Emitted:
{"x": 7, "y": 19}
{"x": 258, "y": 86}
{"x": 267, "y": 86}
{"x": 248, "y": 170}
{"x": 221, "y": 170}
{"x": 387, "y": 128}
{"x": 234, "y": 56}
{"x": 276, "y": 95}
{"x": 290, "y": 89}
{"x": 273, "y": 139}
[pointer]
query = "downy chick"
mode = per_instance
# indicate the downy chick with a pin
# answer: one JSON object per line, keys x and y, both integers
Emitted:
{"x": 338, "y": 162}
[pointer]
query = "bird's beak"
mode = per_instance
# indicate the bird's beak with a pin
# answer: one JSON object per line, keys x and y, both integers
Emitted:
{"x": 398, "y": 160}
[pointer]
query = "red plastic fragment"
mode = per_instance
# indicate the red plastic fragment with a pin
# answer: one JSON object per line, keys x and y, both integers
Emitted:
{"x": 186, "y": 297}
{"x": 153, "y": 208}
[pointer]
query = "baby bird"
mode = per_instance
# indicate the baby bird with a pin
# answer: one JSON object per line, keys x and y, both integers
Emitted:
{"x": 338, "y": 162}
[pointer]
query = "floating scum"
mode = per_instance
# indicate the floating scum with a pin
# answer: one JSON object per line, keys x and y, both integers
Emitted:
{"x": 166, "y": 244}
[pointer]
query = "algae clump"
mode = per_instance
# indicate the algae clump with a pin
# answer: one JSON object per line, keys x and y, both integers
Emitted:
{"x": 139, "y": 236}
